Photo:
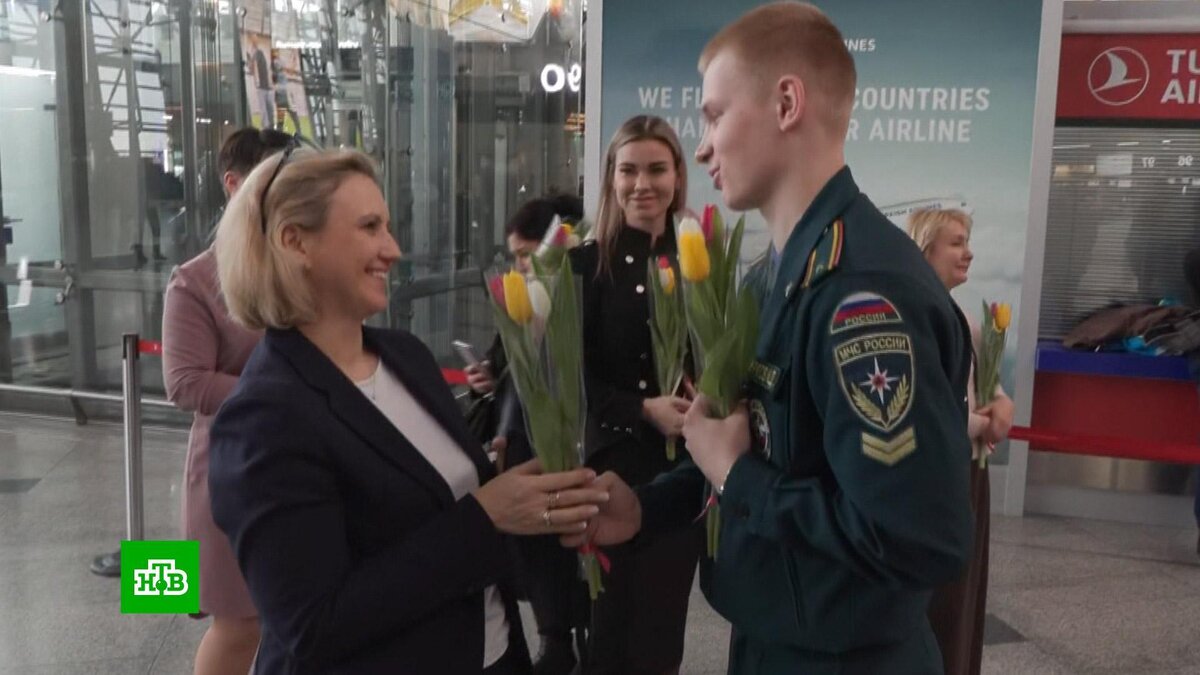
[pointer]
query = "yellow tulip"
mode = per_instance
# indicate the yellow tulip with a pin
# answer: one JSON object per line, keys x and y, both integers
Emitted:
{"x": 666, "y": 277}
{"x": 693, "y": 251}
{"x": 1003, "y": 316}
{"x": 516, "y": 298}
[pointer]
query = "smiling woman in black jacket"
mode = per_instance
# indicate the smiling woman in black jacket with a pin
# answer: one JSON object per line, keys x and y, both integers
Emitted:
{"x": 368, "y": 523}
{"x": 638, "y": 622}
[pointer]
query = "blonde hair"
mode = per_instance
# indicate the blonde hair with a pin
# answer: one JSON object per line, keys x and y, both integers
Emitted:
{"x": 794, "y": 36}
{"x": 610, "y": 217}
{"x": 262, "y": 285}
{"x": 924, "y": 225}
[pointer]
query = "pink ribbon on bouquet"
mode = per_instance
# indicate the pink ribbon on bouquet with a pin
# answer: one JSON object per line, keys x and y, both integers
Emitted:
{"x": 712, "y": 501}
{"x": 591, "y": 549}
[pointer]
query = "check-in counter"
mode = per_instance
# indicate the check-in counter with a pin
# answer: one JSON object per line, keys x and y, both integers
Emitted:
{"x": 1145, "y": 399}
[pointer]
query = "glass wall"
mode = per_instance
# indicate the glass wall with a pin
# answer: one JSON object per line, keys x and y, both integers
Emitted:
{"x": 112, "y": 113}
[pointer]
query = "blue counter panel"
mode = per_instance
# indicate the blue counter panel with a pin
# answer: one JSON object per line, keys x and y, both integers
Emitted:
{"x": 1052, "y": 357}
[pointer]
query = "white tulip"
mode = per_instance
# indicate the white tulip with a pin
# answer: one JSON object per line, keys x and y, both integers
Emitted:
{"x": 539, "y": 298}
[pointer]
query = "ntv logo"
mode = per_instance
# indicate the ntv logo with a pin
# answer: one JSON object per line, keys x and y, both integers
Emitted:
{"x": 160, "y": 577}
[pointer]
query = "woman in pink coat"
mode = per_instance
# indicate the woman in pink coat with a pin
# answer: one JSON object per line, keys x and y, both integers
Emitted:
{"x": 203, "y": 354}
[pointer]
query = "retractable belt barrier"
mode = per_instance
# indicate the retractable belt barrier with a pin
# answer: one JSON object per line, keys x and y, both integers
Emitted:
{"x": 1045, "y": 440}
{"x": 454, "y": 377}
{"x": 132, "y": 347}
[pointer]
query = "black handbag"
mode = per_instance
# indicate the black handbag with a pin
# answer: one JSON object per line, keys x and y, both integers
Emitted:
{"x": 481, "y": 417}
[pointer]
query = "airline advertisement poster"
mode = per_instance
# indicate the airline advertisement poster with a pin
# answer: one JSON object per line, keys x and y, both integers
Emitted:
{"x": 943, "y": 116}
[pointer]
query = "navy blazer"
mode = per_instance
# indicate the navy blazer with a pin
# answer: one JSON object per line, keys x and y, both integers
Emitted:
{"x": 356, "y": 554}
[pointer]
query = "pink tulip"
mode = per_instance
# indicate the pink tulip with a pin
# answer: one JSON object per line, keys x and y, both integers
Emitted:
{"x": 706, "y": 221}
{"x": 496, "y": 286}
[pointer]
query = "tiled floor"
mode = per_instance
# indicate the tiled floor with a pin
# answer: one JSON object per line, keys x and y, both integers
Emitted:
{"x": 1067, "y": 596}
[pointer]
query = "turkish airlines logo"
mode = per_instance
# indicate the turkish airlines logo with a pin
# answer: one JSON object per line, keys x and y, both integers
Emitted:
{"x": 1118, "y": 76}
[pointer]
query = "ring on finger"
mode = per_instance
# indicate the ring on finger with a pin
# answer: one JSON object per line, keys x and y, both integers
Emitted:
{"x": 546, "y": 518}
{"x": 553, "y": 500}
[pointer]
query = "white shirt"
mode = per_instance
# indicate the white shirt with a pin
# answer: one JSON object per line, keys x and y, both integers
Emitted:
{"x": 426, "y": 434}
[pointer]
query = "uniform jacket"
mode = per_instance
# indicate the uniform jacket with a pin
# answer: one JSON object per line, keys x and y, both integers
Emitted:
{"x": 854, "y": 504}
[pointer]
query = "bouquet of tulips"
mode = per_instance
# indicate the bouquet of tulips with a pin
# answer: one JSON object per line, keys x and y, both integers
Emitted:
{"x": 722, "y": 319}
{"x": 993, "y": 334}
{"x": 540, "y": 325}
{"x": 668, "y": 331}
{"x": 559, "y": 239}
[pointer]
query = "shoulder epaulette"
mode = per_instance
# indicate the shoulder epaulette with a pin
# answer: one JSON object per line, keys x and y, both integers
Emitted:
{"x": 826, "y": 254}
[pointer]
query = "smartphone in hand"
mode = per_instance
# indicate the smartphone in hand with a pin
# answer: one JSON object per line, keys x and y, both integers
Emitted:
{"x": 466, "y": 352}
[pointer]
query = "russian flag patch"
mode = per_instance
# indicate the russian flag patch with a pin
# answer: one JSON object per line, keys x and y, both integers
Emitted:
{"x": 863, "y": 309}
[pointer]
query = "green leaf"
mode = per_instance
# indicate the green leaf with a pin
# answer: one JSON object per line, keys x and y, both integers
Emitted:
{"x": 714, "y": 383}
{"x": 699, "y": 322}
{"x": 548, "y": 373}
{"x": 747, "y": 324}
{"x": 666, "y": 336}
{"x": 712, "y": 526}
{"x": 716, "y": 254}
{"x": 565, "y": 329}
{"x": 735, "y": 251}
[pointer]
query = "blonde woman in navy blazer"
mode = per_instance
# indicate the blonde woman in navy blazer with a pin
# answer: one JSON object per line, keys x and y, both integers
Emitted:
{"x": 370, "y": 527}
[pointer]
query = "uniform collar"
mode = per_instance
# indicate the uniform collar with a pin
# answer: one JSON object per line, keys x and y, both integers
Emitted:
{"x": 829, "y": 203}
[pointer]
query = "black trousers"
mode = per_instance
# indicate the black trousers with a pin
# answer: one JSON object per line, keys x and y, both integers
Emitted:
{"x": 549, "y": 576}
{"x": 509, "y": 664}
{"x": 639, "y": 621}
{"x": 957, "y": 609}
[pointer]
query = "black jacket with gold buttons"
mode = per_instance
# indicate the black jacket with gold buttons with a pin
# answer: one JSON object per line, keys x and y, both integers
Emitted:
{"x": 618, "y": 355}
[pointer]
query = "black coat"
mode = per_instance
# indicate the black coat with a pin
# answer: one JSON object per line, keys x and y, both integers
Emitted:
{"x": 619, "y": 357}
{"x": 356, "y": 554}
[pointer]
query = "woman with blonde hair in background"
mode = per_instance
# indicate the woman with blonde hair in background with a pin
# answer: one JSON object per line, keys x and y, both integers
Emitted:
{"x": 957, "y": 609}
{"x": 369, "y": 524}
{"x": 637, "y": 625}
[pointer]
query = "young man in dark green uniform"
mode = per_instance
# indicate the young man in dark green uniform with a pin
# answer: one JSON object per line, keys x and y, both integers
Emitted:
{"x": 843, "y": 480}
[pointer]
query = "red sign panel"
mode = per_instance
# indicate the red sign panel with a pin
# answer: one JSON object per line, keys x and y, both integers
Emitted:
{"x": 1127, "y": 76}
